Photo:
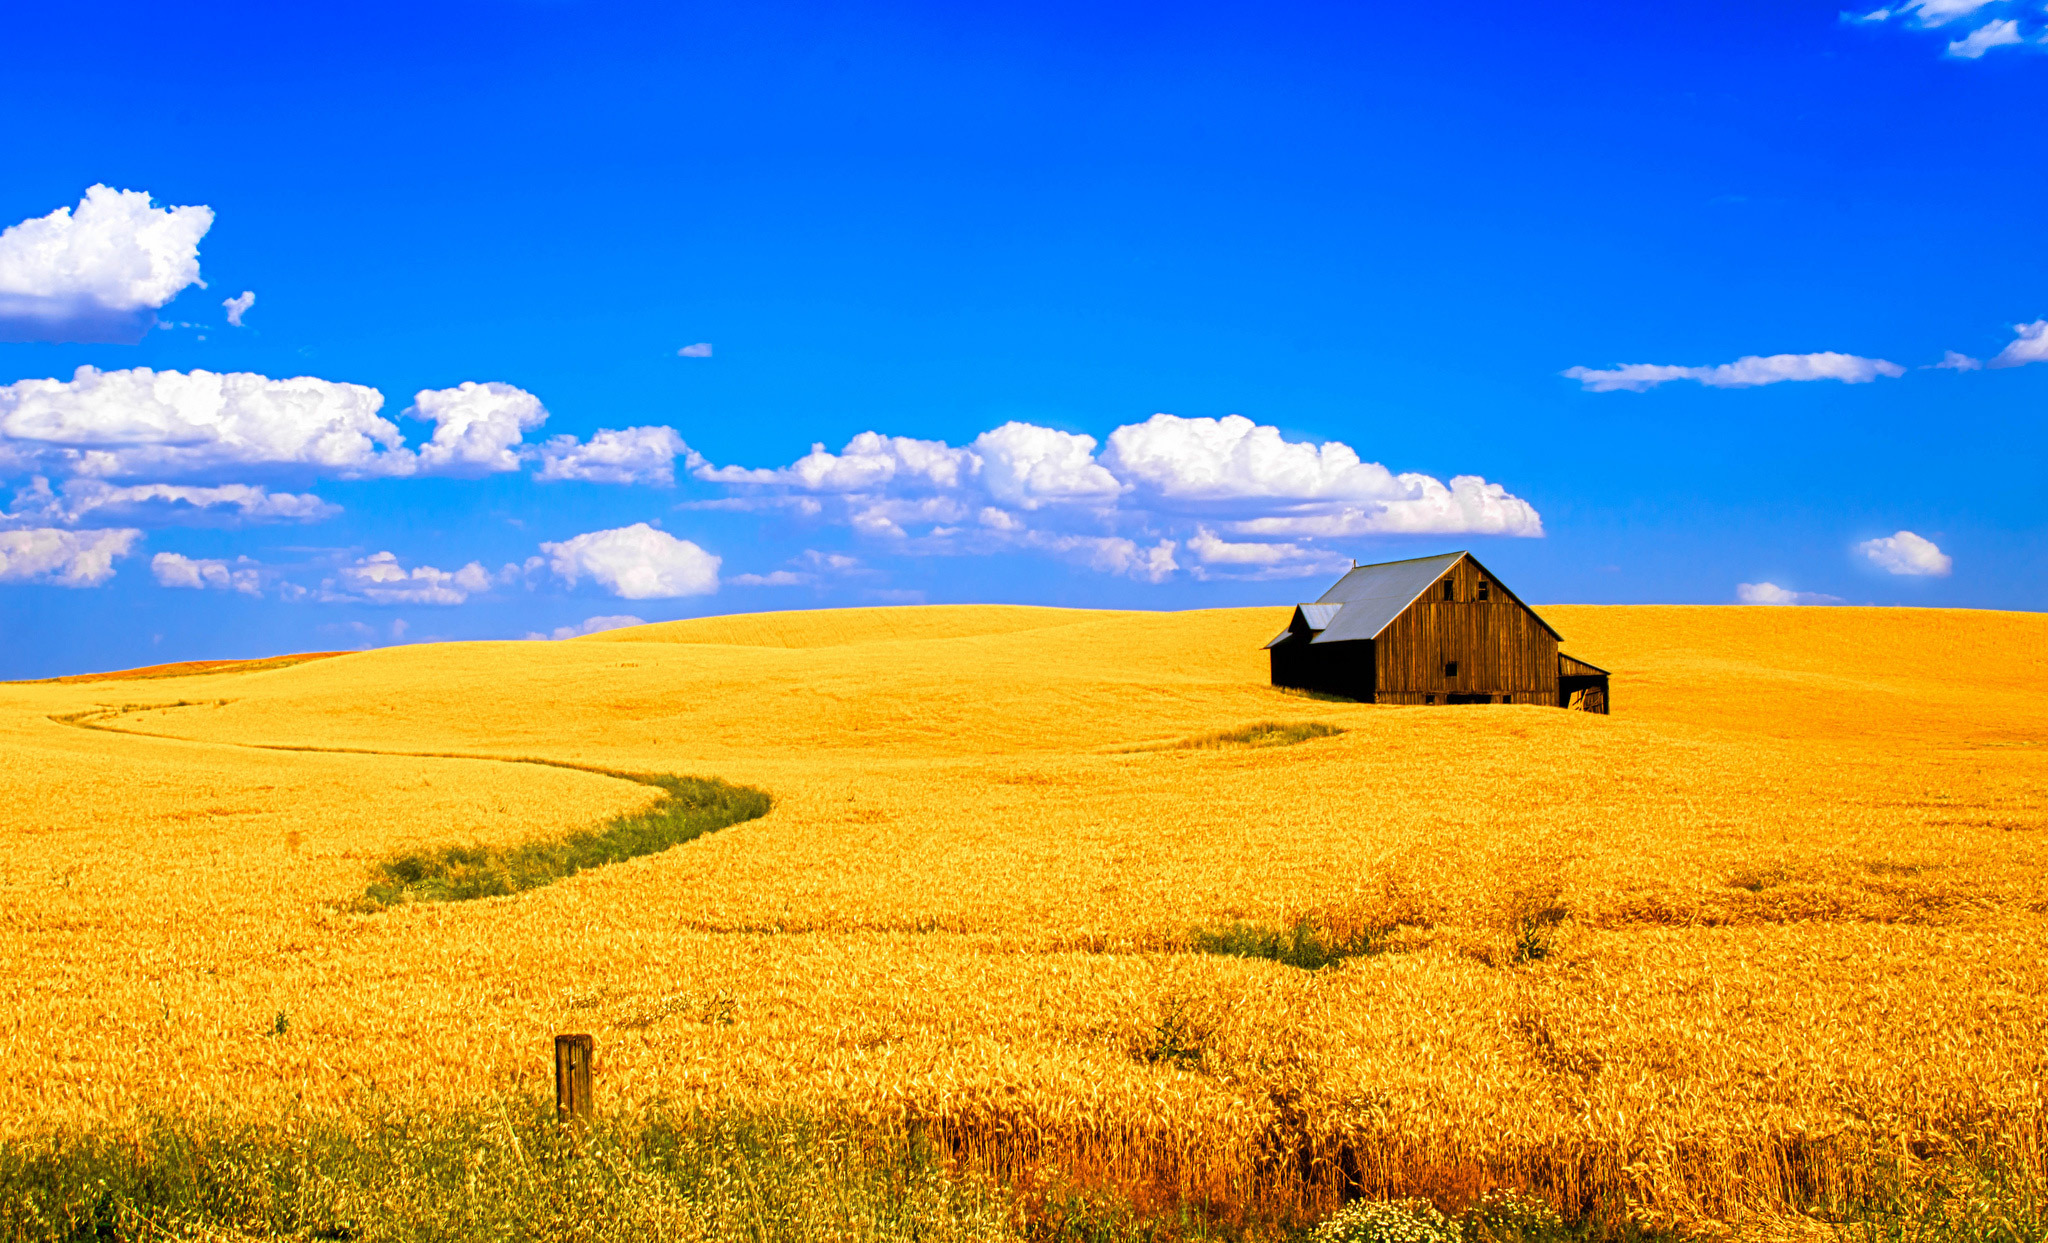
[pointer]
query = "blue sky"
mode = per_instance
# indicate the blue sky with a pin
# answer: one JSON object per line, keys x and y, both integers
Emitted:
{"x": 1044, "y": 257}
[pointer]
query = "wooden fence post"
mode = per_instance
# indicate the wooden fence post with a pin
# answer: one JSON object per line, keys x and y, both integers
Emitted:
{"x": 572, "y": 1076}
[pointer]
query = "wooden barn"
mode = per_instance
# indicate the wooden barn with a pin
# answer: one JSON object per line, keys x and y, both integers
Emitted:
{"x": 1434, "y": 630}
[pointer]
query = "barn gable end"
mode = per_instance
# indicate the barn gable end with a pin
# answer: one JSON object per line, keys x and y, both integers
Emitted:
{"x": 1431, "y": 630}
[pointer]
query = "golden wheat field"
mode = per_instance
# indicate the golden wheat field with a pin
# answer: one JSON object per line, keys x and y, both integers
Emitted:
{"x": 1789, "y": 904}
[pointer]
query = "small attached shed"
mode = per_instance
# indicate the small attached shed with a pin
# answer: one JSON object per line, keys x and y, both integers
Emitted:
{"x": 1433, "y": 630}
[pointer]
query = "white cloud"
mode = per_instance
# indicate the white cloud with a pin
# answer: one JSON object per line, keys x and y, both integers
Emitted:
{"x": 1986, "y": 37}
{"x": 1906, "y": 553}
{"x": 1934, "y": 14}
{"x": 886, "y": 517}
{"x": 1940, "y": 12}
{"x": 633, "y": 455}
{"x": 827, "y": 562}
{"x": 1260, "y": 560}
{"x": 1112, "y": 554}
{"x": 476, "y": 426}
{"x": 635, "y": 563}
{"x": 1468, "y": 506}
{"x": 1771, "y": 593}
{"x": 248, "y": 501}
{"x": 774, "y": 578}
{"x": 96, "y": 273}
{"x": 815, "y": 567}
{"x": 2030, "y": 347}
{"x": 113, "y": 423}
{"x": 381, "y": 579}
{"x": 1951, "y": 360}
{"x": 700, "y": 350}
{"x": 38, "y": 503}
{"x": 1025, "y": 465}
{"x": 1746, "y": 372}
{"x": 67, "y": 558}
{"x": 1215, "y": 551}
{"x": 590, "y": 625}
{"x": 239, "y": 306}
{"x": 1316, "y": 488}
{"x": 870, "y": 462}
{"x": 174, "y": 570}
{"x": 1930, "y": 13}
{"x": 1233, "y": 458}
{"x": 1024, "y": 486}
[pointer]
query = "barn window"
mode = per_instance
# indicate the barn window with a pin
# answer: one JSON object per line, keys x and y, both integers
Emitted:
{"x": 1450, "y": 590}
{"x": 1450, "y": 668}
{"x": 1429, "y": 699}
{"x": 1482, "y": 589}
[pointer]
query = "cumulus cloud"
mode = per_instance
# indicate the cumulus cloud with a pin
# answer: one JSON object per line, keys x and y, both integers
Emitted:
{"x": 773, "y": 578}
{"x": 1127, "y": 510}
{"x": 66, "y": 558}
{"x": 590, "y": 625}
{"x": 1771, "y": 593}
{"x": 1908, "y": 554}
{"x": 1324, "y": 490}
{"x": 1928, "y": 12}
{"x": 888, "y": 517}
{"x": 476, "y": 426}
{"x": 1935, "y": 14}
{"x": 239, "y": 305}
{"x": 96, "y": 273}
{"x": 1029, "y": 466}
{"x": 1954, "y": 361}
{"x": 2031, "y": 346}
{"x": 242, "y": 502}
{"x": 815, "y": 567}
{"x": 1259, "y": 559}
{"x": 175, "y": 570}
{"x": 1111, "y": 554}
{"x": 380, "y": 579}
{"x": 635, "y": 563}
{"x": 136, "y": 421}
{"x": 1469, "y": 505}
{"x": 632, "y": 455}
{"x": 1746, "y": 372}
{"x": 1233, "y": 458}
{"x": 869, "y": 462}
{"x": 1984, "y": 38}
{"x": 701, "y": 349}
{"x": 827, "y": 562}
{"x": 247, "y": 501}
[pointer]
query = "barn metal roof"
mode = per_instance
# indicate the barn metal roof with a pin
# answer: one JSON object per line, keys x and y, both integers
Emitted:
{"x": 1318, "y": 616}
{"x": 1367, "y": 599}
{"x": 1314, "y": 616}
{"x": 1371, "y": 596}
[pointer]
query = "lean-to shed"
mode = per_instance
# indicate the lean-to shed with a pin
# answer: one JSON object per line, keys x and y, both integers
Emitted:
{"x": 1434, "y": 630}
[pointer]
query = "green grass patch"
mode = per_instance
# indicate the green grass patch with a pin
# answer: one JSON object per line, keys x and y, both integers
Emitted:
{"x": 689, "y": 808}
{"x": 1306, "y": 944}
{"x": 505, "y": 1173}
{"x": 1996, "y": 1197}
{"x": 1263, "y": 734}
{"x": 1299, "y": 692}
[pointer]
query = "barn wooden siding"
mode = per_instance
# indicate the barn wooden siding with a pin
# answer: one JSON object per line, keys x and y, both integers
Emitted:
{"x": 1582, "y": 686}
{"x": 1500, "y": 646}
